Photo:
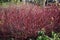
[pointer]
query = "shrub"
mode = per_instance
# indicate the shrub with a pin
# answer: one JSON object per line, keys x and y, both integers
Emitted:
{"x": 26, "y": 20}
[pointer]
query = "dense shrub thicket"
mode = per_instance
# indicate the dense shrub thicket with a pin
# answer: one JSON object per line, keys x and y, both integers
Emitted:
{"x": 26, "y": 20}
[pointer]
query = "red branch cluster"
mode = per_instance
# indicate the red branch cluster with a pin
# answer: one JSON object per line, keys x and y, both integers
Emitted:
{"x": 26, "y": 20}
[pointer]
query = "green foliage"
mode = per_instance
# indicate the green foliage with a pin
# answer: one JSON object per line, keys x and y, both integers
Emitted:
{"x": 42, "y": 36}
{"x": 9, "y": 1}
